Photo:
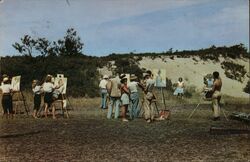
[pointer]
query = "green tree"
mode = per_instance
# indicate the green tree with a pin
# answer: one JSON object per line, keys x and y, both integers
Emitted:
{"x": 26, "y": 46}
{"x": 71, "y": 44}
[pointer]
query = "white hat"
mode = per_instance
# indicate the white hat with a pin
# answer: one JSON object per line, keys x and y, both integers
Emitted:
{"x": 5, "y": 79}
{"x": 105, "y": 77}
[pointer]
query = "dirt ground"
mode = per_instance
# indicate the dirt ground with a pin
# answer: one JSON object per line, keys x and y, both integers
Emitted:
{"x": 89, "y": 136}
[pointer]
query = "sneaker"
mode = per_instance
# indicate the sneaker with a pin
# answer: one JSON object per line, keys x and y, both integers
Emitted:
{"x": 148, "y": 121}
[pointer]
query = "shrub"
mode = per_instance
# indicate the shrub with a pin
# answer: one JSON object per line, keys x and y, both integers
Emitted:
{"x": 234, "y": 71}
{"x": 247, "y": 88}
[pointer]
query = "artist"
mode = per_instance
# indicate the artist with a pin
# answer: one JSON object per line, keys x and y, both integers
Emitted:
{"x": 216, "y": 95}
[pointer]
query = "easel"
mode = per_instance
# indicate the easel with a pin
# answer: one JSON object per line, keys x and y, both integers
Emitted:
{"x": 20, "y": 98}
{"x": 61, "y": 101}
{"x": 206, "y": 99}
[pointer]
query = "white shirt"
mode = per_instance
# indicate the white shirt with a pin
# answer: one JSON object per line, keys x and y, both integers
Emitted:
{"x": 48, "y": 87}
{"x": 6, "y": 88}
{"x": 37, "y": 89}
{"x": 103, "y": 83}
{"x": 132, "y": 86}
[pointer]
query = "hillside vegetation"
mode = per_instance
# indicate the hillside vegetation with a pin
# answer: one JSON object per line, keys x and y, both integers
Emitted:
{"x": 39, "y": 57}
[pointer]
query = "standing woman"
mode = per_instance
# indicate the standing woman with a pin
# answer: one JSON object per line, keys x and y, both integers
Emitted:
{"x": 48, "y": 88}
{"x": 124, "y": 98}
{"x": 36, "y": 88}
{"x": 7, "y": 98}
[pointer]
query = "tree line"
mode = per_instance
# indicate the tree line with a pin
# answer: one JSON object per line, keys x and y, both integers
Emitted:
{"x": 39, "y": 57}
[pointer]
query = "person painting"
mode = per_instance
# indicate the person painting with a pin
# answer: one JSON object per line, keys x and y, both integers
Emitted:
{"x": 103, "y": 90}
{"x": 48, "y": 88}
{"x": 124, "y": 98}
{"x": 179, "y": 91}
{"x": 216, "y": 95}
{"x": 7, "y": 98}
{"x": 149, "y": 97}
{"x": 36, "y": 88}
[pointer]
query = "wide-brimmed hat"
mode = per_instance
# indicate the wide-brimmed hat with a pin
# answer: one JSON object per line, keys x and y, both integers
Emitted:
{"x": 145, "y": 74}
{"x": 133, "y": 77}
{"x": 105, "y": 77}
{"x": 5, "y": 79}
{"x": 122, "y": 76}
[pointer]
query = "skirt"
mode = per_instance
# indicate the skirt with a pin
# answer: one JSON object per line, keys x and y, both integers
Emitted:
{"x": 125, "y": 99}
{"x": 7, "y": 103}
{"x": 178, "y": 90}
{"x": 48, "y": 98}
{"x": 37, "y": 101}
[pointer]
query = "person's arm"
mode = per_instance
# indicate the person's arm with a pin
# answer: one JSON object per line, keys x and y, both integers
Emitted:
{"x": 126, "y": 90}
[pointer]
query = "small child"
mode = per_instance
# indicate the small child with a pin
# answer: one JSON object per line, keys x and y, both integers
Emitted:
{"x": 36, "y": 88}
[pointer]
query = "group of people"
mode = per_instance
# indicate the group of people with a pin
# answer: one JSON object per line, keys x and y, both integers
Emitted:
{"x": 122, "y": 95}
{"x": 51, "y": 92}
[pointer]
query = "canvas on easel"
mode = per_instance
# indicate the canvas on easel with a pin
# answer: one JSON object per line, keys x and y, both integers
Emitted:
{"x": 61, "y": 81}
{"x": 17, "y": 95}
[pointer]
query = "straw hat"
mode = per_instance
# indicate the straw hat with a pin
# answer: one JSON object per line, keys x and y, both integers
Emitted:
{"x": 105, "y": 77}
{"x": 133, "y": 77}
{"x": 122, "y": 76}
{"x": 145, "y": 74}
{"x": 5, "y": 79}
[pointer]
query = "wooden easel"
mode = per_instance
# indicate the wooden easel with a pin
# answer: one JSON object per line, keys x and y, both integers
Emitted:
{"x": 19, "y": 98}
{"x": 61, "y": 101}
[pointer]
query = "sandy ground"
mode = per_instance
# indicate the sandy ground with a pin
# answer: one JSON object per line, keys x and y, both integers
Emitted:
{"x": 89, "y": 136}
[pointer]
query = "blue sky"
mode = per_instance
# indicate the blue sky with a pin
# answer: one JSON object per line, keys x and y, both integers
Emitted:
{"x": 123, "y": 26}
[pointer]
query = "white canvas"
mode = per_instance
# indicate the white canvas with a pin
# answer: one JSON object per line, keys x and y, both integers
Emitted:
{"x": 15, "y": 83}
{"x": 64, "y": 83}
{"x": 159, "y": 77}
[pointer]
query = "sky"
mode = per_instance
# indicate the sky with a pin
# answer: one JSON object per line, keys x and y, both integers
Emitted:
{"x": 124, "y": 26}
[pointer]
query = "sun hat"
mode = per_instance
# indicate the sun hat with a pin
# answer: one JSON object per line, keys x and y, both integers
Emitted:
{"x": 133, "y": 77}
{"x": 105, "y": 77}
{"x": 5, "y": 79}
{"x": 122, "y": 76}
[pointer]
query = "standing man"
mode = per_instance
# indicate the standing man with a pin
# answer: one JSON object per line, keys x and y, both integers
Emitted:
{"x": 216, "y": 95}
{"x": 134, "y": 96}
{"x": 114, "y": 91}
{"x": 104, "y": 92}
{"x": 149, "y": 97}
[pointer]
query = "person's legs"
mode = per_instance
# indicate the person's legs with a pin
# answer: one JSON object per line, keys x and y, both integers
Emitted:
{"x": 146, "y": 107}
{"x": 104, "y": 100}
{"x": 152, "y": 111}
{"x": 134, "y": 105}
{"x": 117, "y": 107}
{"x": 215, "y": 103}
{"x": 46, "y": 110}
{"x": 110, "y": 108}
{"x": 54, "y": 111}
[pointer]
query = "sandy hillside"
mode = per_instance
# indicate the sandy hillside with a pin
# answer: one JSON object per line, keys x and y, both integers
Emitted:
{"x": 193, "y": 71}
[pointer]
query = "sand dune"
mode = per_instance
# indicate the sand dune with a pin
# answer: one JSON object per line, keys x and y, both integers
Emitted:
{"x": 193, "y": 71}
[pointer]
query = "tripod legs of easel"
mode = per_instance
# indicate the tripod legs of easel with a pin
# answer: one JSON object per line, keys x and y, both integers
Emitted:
{"x": 20, "y": 93}
{"x": 191, "y": 114}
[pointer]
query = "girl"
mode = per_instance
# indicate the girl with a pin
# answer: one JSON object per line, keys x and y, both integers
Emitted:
{"x": 36, "y": 88}
{"x": 48, "y": 88}
{"x": 7, "y": 98}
